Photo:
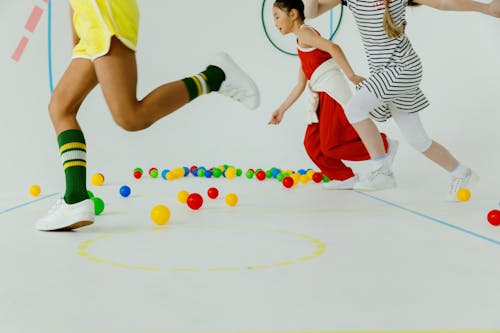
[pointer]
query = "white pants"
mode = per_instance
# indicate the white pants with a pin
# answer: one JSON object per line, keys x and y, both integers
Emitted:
{"x": 411, "y": 127}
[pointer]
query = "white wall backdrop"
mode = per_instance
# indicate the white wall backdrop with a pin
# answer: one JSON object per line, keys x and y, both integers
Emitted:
{"x": 460, "y": 53}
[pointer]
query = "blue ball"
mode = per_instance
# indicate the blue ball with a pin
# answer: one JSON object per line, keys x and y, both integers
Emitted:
{"x": 164, "y": 174}
{"x": 186, "y": 171}
{"x": 124, "y": 191}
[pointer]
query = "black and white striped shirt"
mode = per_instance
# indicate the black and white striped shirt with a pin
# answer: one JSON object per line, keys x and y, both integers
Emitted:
{"x": 395, "y": 68}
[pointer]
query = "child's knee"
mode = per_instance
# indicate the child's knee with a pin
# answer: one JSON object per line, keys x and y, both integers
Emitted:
{"x": 129, "y": 123}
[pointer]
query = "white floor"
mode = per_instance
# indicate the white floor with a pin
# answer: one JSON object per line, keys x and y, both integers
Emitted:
{"x": 298, "y": 260}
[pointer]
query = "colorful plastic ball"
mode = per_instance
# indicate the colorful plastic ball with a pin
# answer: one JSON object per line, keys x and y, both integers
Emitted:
{"x": 153, "y": 173}
{"x": 287, "y": 182}
{"x": 97, "y": 179}
{"x": 90, "y": 194}
{"x": 160, "y": 214}
{"x": 98, "y": 205}
{"x": 194, "y": 201}
{"x": 463, "y": 194}
{"x": 35, "y": 190}
{"x": 239, "y": 172}
{"x": 231, "y": 199}
{"x": 213, "y": 193}
{"x": 249, "y": 174}
{"x": 138, "y": 169}
{"x": 137, "y": 174}
{"x": 230, "y": 173}
{"x": 494, "y": 217}
{"x": 303, "y": 178}
{"x": 326, "y": 179}
{"x": 216, "y": 172}
{"x": 208, "y": 173}
{"x": 125, "y": 191}
{"x": 186, "y": 171}
{"x": 164, "y": 173}
{"x": 192, "y": 169}
{"x": 200, "y": 172}
{"x": 260, "y": 175}
{"x": 317, "y": 177}
{"x": 182, "y": 196}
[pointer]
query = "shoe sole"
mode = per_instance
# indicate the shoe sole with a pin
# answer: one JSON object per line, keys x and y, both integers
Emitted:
{"x": 73, "y": 226}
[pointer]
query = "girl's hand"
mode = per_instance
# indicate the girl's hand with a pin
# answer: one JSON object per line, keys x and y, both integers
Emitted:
{"x": 356, "y": 79}
{"x": 276, "y": 117}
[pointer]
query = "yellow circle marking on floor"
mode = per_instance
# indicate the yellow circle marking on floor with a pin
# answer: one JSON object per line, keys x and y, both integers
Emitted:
{"x": 320, "y": 248}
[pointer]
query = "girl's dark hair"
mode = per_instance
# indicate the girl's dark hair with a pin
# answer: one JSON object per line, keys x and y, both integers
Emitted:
{"x": 288, "y": 5}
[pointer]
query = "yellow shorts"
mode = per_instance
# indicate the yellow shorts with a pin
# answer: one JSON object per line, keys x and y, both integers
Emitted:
{"x": 96, "y": 21}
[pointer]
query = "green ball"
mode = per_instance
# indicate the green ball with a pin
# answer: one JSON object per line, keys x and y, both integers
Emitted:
{"x": 91, "y": 195}
{"x": 249, "y": 174}
{"x": 326, "y": 179}
{"x": 280, "y": 177}
{"x": 98, "y": 205}
{"x": 138, "y": 169}
{"x": 216, "y": 172}
{"x": 201, "y": 173}
{"x": 154, "y": 174}
{"x": 239, "y": 172}
{"x": 269, "y": 173}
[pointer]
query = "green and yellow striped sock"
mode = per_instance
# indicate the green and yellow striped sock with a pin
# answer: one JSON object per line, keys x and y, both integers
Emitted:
{"x": 74, "y": 155}
{"x": 204, "y": 82}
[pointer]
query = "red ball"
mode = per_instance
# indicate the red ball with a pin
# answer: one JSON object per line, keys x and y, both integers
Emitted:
{"x": 194, "y": 201}
{"x": 260, "y": 175}
{"x": 213, "y": 193}
{"x": 317, "y": 177}
{"x": 287, "y": 182}
{"x": 494, "y": 217}
{"x": 192, "y": 168}
{"x": 137, "y": 174}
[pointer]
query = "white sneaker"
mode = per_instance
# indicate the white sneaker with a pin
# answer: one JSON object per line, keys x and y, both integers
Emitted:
{"x": 457, "y": 183}
{"x": 238, "y": 85}
{"x": 391, "y": 152}
{"x": 376, "y": 180}
{"x": 341, "y": 184}
{"x": 63, "y": 216}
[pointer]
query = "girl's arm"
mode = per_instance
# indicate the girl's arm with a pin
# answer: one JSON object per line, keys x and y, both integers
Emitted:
{"x": 492, "y": 8}
{"x": 308, "y": 37}
{"x": 294, "y": 95}
{"x": 75, "y": 37}
{"x": 314, "y": 8}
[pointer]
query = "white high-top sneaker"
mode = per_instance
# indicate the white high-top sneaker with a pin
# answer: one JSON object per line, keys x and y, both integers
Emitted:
{"x": 63, "y": 216}
{"x": 381, "y": 178}
{"x": 238, "y": 85}
{"x": 469, "y": 179}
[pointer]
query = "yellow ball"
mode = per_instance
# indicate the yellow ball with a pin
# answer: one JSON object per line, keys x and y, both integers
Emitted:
{"x": 231, "y": 199}
{"x": 304, "y": 179}
{"x": 182, "y": 196}
{"x": 230, "y": 173}
{"x": 97, "y": 179}
{"x": 35, "y": 190}
{"x": 160, "y": 214}
{"x": 463, "y": 194}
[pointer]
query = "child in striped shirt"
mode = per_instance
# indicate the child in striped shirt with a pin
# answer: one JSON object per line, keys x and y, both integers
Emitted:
{"x": 392, "y": 89}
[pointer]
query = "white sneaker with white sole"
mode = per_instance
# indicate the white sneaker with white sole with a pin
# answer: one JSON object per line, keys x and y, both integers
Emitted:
{"x": 341, "y": 184}
{"x": 238, "y": 85}
{"x": 469, "y": 179}
{"x": 376, "y": 180}
{"x": 63, "y": 216}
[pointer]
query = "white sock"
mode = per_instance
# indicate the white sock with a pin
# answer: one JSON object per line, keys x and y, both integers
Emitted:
{"x": 460, "y": 171}
{"x": 378, "y": 162}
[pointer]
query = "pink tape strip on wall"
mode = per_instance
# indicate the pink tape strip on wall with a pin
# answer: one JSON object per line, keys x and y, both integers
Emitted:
{"x": 20, "y": 49}
{"x": 34, "y": 18}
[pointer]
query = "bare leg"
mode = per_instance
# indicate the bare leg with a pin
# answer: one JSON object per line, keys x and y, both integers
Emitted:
{"x": 441, "y": 156}
{"x": 117, "y": 75}
{"x": 369, "y": 134}
{"x": 76, "y": 83}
